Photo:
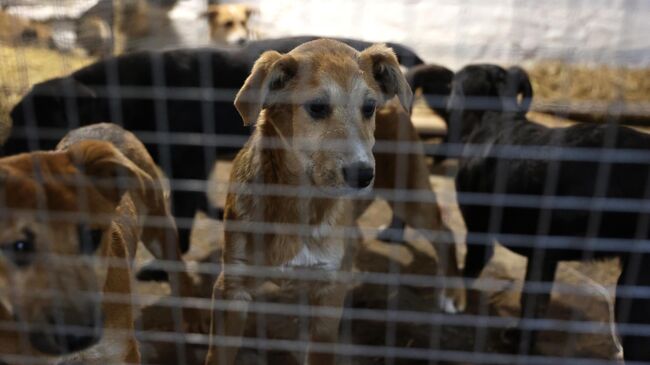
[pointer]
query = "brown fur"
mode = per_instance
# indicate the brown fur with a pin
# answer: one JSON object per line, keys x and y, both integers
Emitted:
{"x": 409, "y": 172}
{"x": 276, "y": 96}
{"x": 229, "y": 23}
{"x": 140, "y": 21}
{"x": 80, "y": 177}
{"x": 17, "y": 31}
{"x": 95, "y": 36}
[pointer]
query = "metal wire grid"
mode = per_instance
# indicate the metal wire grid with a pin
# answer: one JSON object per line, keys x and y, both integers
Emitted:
{"x": 390, "y": 350}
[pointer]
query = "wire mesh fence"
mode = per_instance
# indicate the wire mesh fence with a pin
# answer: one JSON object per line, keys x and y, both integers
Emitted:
{"x": 276, "y": 201}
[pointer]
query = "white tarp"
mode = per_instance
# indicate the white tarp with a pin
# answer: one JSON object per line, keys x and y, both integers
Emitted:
{"x": 48, "y": 9}
{"x": 451, "y": 32}
{"x": 454, "y": 32}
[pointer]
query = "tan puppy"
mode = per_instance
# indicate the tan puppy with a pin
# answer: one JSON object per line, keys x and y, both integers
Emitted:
{"x": 71, "y": 220}
{"x": 158, "y": 227}
{"x": 17, "y": 31}
{"x": 315, "y": 114}
{"x": 229, "y": 23}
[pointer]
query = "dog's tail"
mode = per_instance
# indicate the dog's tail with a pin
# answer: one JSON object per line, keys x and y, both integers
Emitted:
{"x": 435, "y": 83}
{"x": 518, "y": 92}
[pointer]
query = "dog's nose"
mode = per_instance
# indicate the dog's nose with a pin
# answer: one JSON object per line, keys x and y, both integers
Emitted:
{"x": 241, "y": 41}
{"x": 358, "y": 175}
{"x": 67, "y": 332}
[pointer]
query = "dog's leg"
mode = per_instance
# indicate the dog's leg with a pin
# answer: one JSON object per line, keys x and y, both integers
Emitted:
{"x": 480, "y": 247}
{"x": 452, "y": 299}
{"x": 534, "y": 304}
{"x": 408, "y": 172}
{"x": 228, "y": 324}
{"x": 324, "y": 329}
{"x": 634, "y": 309}
{"x": 426, "y": 217}
{"x": 162, "y": 241}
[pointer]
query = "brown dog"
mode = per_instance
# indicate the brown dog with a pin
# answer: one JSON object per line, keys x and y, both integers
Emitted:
{"x": 70, "y": 224}
{"x": 229, "y": 23}
{"x": 18, "y": 31}
{"x": 315, "y": 113}
{"x": 402, "y": 179}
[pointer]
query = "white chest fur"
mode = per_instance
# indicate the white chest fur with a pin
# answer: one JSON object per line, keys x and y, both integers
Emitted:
{"x": 324, "y": 256}
{"x": 325, "y": 247}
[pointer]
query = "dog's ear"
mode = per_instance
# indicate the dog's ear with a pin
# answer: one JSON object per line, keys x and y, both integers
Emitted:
{"x": 516, "y": 92}
{"x": 435, "y": 83}
{"x": 111, "y": 173}
{"x": 269, "y": 77}
{"x": 211, "y": 13}
{"x": 249, "y": 11}
{"x": 382, "y": 62}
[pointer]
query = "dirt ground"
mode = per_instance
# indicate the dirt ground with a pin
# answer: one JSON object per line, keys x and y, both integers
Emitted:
{"x": 387, "y": 323}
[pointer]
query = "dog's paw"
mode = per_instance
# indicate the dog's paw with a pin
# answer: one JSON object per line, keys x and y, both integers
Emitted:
{"x": 452, "y": 301}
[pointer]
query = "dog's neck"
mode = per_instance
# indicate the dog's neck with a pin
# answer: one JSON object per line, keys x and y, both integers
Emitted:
{"x": 279, "y": 168}
{"x": 465, "y": 125}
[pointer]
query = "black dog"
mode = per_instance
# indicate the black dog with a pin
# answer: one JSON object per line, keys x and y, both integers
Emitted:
{"x": 179, "y": 102}
{"x": 535, "y": 190}
{"x": 435, "y": 83}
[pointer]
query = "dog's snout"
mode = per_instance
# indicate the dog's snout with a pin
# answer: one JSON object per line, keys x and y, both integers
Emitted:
{"x": 66, "y": 332}
{"x": 241, "y": 41}
{"x": 358, "y": 175}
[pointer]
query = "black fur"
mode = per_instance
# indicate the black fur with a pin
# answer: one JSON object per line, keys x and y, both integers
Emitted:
{"x": 541, "y": 163}
{"x": 435, "y": 83}
{"x": 187, "y": 91}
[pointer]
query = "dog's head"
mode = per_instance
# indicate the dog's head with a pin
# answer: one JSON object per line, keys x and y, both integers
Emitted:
{"x": 491, "y": 88}
{"x": 229, "y": 23}
{"x": 56, "y": 210}
{"x": 481, "y": 88}
{"x": 319, "y": 102}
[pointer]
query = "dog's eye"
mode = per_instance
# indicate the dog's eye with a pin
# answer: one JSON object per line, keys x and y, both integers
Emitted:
{"x": 20, "y": 252}
{"x": 368, "y": 108}
{"x": 318, "y": 109}
{"x": 229, "y": 24}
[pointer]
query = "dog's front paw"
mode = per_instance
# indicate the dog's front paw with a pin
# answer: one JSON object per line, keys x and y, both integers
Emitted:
{"x": 452, "y": 301}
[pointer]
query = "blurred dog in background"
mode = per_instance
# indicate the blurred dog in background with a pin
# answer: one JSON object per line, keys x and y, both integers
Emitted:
{"x": 229, "y": 24}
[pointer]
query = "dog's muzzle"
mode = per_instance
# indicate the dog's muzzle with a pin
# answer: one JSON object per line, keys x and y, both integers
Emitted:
{"x": 67, "y": 331}
{"x": 358, "y": 175}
